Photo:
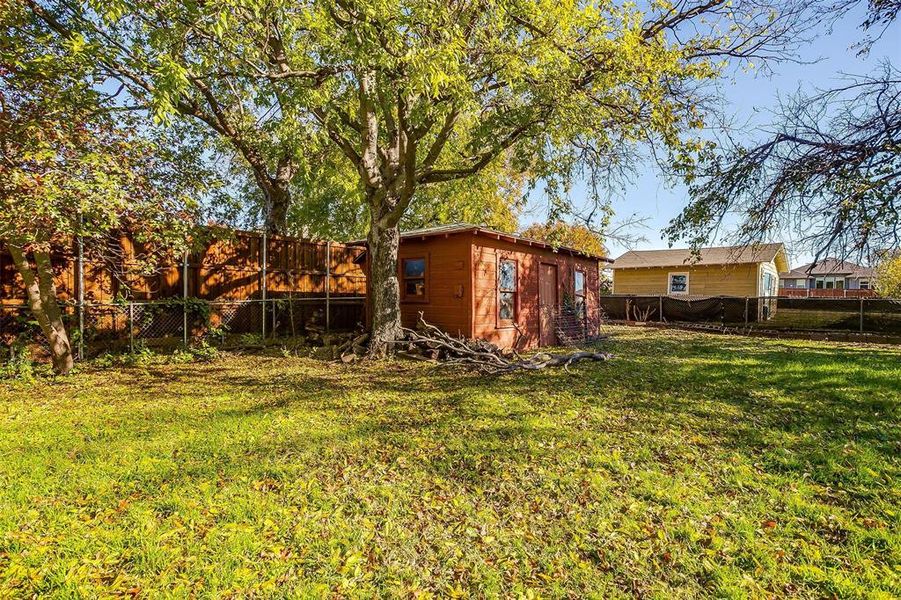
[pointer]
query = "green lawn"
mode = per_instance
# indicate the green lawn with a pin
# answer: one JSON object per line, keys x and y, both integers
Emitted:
{"x": 691, "y": 465}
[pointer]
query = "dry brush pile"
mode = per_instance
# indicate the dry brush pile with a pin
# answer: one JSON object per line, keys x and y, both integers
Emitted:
{"x": 428, "y": 343}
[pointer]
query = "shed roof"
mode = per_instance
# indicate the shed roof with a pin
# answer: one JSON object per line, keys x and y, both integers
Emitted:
{"x": 723, "y": 255}
{"x": 454, "y": 228}
{"x": 829, "y": 266}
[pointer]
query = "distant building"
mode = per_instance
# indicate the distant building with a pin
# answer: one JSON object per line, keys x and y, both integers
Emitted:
{"x": 828, "y": 274}
{"x": 723, "y": 271}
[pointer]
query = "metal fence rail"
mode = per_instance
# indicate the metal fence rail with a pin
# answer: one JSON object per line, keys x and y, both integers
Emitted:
{"x": 123, "y": 325}
{"x": 859, "y": 315}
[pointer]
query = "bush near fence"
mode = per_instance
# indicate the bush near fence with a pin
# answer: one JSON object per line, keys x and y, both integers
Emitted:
{"x": 861, "y": 315}
{"x": 239, "y": 283}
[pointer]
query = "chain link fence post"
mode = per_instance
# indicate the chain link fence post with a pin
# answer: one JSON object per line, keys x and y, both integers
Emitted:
{"x": 263, "y": 291}
{"x": 861, "y": 314}
{"x": 184, "y": 299}
{"x": 328, "y": 285}
{"x": 131, "y": 327}
{"x": 79, "y": 268}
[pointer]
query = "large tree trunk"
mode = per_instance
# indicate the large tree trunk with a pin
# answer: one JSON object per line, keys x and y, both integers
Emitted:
{"x": 278, "y": 198}
{"x": 384, "y": 288}
{"x": 41, "y": 292}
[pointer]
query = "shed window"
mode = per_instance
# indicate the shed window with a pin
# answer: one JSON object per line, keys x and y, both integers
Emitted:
{"x": 506, "y": 287}
{"x": 414, "y": 278}
{"x": 678, "y": 283}
{"x": 864, "y": 284}
{"x": 579, "y": 291}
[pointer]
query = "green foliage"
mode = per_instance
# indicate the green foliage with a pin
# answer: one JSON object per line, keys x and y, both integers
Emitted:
{"x": 561, "y": 233}
{"x": 888, "y": 275}
{"x": 143, "y": 355}
{"x": 329, "y": 203}
{"x": 19, "y": 364}
{"x": 203, "y": 352}
{"x": 690, "y": 466}
{"x": 377, "y": 100}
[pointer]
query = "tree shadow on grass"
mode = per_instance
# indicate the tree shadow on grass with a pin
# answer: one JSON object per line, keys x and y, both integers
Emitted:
{"x": 797, "y": 406}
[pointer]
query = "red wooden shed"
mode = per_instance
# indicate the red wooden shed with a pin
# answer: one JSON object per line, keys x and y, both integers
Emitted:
{"x": 474, "y": 281}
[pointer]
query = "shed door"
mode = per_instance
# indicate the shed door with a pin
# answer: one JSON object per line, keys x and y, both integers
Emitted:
{"x": 547, "y": 303}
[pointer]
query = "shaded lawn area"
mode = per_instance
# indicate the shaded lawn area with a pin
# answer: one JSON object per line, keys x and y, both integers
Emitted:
{"x": 691, "y": 465}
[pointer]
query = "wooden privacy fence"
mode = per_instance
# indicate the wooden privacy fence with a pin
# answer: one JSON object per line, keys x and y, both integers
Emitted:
{"x": 857, "y": 315}
{"x": 240, "y": 282}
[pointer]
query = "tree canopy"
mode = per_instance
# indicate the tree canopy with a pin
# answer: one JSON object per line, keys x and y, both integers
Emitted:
{"x": 71, "y": 168}
{"x": 888, "y": 275}
{"x": 416, "y": 93}
{"x": 561, "y": 233}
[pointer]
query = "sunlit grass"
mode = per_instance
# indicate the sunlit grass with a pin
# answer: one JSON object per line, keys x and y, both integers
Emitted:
{"x": 691, "y": 465}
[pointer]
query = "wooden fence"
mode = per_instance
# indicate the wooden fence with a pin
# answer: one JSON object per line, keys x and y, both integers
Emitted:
{"x": 237, "y": 265}
{"x": 253, "y": 282}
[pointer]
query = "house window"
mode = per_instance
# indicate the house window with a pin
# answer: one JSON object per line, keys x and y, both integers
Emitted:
{"x": 864, "y": 284}
{"x": 678, "y": 283}
{"x": 579, "y": 292}
{"x": 506, "y": 290}
{"x": 414, "y": 271}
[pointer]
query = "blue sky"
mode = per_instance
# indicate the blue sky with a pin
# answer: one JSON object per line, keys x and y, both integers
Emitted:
{"x": 749, "y": 99}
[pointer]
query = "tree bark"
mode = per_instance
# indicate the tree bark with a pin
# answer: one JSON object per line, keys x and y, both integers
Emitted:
{"x": 41, "y": 293}
{"x": 278, "y": 199}
{"x": 384, "y": 288}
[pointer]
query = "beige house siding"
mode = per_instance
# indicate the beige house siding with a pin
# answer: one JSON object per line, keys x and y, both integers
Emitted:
{"x": 713, "y": 280}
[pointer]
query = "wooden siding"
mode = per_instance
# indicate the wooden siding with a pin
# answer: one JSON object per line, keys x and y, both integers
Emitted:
{"x": 485, "y": 255}
{"x": 448, "y": 283}
{"x": 712, "y": 280}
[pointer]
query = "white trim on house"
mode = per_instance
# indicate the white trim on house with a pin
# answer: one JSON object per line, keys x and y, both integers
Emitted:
{"x": 669, "y": 282}
{"x": 762, "y": 270}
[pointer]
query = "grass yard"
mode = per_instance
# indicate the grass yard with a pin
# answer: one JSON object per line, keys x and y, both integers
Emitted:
{"x": 692, "y": 465}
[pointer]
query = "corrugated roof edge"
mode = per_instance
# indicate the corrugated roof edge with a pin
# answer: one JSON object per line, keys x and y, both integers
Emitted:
{"x": 483, "y": 230}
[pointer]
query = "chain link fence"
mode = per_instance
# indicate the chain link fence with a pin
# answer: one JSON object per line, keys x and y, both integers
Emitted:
{"x": 124, "y": 325}
{"x": 880, "y": 316}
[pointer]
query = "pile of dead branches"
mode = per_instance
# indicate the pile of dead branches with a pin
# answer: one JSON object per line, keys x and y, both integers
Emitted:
{"x": 427, "y": 342}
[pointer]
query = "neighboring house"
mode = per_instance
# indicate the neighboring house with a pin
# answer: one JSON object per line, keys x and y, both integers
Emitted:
{"x": 725, "y": 271}
{"x": 477, "y": 282}
{"x": 827, "y": 274}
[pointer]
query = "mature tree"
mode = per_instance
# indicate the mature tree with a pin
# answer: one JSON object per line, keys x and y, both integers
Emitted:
{"x": 829, "y": 169}
{"x": 67, "y": 170}
{"x": 415, "y": 93}
{"x": 888, "y": 275}
{"x": 561, "y": 233}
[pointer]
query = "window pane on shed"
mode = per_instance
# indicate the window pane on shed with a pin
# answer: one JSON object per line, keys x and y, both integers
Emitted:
{"x": 507, "y": 305}
{"x": 414, "y": 267}
{"x": 415, "y": 287}
{"x": 508, "y": 275}
{"x": 580, "y": 283}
